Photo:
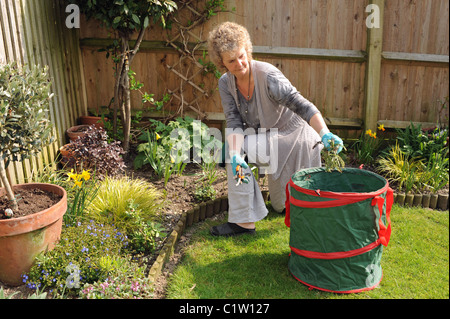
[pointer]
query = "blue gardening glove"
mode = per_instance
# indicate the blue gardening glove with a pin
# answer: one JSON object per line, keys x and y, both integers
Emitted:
{"x": 327, "y": 140}
{"x": 237, "y": 160}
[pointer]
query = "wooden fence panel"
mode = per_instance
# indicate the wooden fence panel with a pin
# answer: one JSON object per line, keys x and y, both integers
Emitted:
{"x": 415, "y": 69}
{"x": 34, "y": 32}
{"x": 322, "y": 47}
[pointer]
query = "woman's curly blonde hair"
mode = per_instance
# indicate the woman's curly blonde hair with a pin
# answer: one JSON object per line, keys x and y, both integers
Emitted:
{"x": 227, "y": 37}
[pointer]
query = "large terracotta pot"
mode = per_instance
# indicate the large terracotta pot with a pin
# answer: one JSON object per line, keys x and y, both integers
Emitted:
{"x": 92, "y": 120}
{"x": 76, "y": 131}
{"x": 23, "y": 238}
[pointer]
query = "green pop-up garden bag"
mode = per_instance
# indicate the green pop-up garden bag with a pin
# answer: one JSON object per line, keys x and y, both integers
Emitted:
{"x": 339, "y": 223}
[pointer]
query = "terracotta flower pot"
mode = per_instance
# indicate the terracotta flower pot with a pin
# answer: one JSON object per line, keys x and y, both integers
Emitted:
{"x": 23, "y": 238}
{"x": 76, "y": 131}
{"x": 92, "y": 120}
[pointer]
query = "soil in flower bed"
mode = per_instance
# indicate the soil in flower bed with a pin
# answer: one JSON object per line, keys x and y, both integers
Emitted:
{"x": 30, "y": 201}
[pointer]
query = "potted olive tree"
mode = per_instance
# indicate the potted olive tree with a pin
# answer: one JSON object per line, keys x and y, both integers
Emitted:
{"x": 25, "y": 128}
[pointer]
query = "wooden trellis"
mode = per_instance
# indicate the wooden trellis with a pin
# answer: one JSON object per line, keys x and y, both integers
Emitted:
{"x": 187, "y": 43}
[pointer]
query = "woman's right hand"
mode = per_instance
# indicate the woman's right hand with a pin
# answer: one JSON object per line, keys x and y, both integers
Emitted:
{"x": 237, "y": 160}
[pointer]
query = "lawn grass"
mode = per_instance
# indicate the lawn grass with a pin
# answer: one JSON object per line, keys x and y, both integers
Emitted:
{"x": 415, "y": 264}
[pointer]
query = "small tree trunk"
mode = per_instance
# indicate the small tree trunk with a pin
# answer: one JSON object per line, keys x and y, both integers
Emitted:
{"x": 7, "y": 185}
{"x": 124, "y": 91}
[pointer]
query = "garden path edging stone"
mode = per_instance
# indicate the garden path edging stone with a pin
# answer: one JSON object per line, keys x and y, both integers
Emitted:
{"x": 433, "y": 201}
{"x": 192, "y": 216}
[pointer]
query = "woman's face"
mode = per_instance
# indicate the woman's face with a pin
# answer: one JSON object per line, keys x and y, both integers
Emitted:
{"x": 236, "y": 62}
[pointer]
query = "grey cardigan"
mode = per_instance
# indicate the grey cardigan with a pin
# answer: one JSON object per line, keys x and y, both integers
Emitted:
{"x": 274, "y": 95}
{"x": 279, "y": 107}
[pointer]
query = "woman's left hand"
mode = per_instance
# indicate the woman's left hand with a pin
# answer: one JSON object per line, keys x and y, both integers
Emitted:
{"x": 331, "y": 141}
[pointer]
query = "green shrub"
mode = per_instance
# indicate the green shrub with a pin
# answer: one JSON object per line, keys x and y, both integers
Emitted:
{"x": 142, "y": 233}
{"x": 421, "y": 144}
{"x": 186, "y": 136}
{"x": 435, "y": 174}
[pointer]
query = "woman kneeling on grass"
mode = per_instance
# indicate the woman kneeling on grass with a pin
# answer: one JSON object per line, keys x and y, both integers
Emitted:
{"x": 267, "y": 119}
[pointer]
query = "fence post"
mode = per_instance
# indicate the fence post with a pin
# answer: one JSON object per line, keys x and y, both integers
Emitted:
{"x": 373, "y": 67}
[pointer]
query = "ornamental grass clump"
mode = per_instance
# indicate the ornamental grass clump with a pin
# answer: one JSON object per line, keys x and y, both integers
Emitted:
{"x": 133, "y": 205}
{"x": 115, "y": 195}
{"x": 79, "y": 258}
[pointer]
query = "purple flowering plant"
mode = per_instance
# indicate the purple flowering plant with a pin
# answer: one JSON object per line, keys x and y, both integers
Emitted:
{"x": 77, "y": 259}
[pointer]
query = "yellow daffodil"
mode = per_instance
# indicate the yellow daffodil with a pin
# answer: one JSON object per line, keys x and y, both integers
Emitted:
{"x": 381, "y": 127}
{"x": 157, "y": 136}
{"x": 369, "y": 132}
{"x": 72, "y": 175}
{"x": 85, "y": 175}
{"x": 172, "y": 160}
{"x": 77, "y": 183}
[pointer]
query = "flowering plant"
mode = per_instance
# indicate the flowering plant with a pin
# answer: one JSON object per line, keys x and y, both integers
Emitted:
{"x": 84, "y": 194}
{"x": 80, "y": 257}
{"x": 118, "y": 288}
{"x": 367, "y": 146}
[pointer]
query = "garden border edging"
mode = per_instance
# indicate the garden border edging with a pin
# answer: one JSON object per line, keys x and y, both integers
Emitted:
{"x": 194, "y": 215}
{"x": 433, "y": 201}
